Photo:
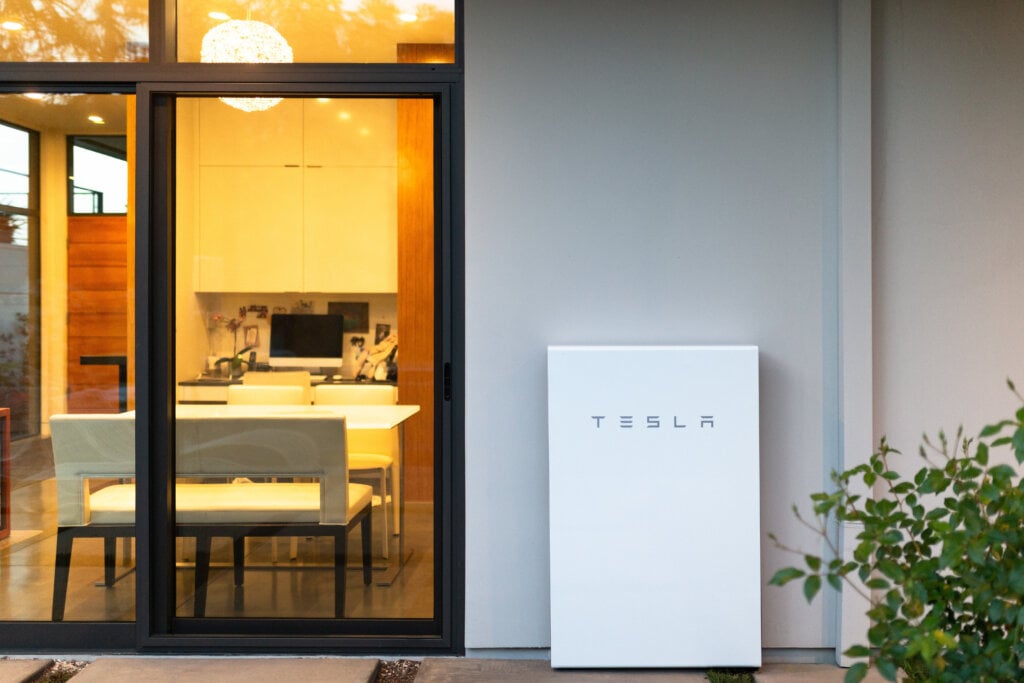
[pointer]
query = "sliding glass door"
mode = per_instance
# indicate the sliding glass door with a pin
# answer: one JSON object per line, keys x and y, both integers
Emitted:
{"x": 280, "y": 227}
{"x": 303, "y": 254}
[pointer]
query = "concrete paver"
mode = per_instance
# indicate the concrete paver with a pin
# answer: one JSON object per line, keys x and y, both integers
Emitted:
{"x": 21, "y": 670}
{"x": 469, "y": 670}
{"x": 227, "y": 670}
{"x": 807, "y": 673}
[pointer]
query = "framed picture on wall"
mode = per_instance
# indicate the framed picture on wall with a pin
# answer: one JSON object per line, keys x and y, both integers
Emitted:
{"x": 252, "y": 335}
{"x": 356, "y": 314}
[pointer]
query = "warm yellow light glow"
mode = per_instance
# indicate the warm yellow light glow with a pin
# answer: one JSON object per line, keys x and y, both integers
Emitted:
{"x": 246, "y": 42}
{"x": 407, "y": 17}
{"x": 11, "y": 25}
{"x": 98, "y": 120}
{"x": 323, "y": 100}
{"x": 364, "y": 131}
{"x": 344, "y": 116}
{"x": 219, "y": 16}
{"x": 35, "y": 95}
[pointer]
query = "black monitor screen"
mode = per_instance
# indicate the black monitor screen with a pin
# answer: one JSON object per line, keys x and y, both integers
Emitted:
{"x": 306, "y": 336}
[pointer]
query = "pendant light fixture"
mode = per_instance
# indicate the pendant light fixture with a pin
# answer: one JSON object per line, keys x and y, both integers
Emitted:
{"x": 243, "y": 41}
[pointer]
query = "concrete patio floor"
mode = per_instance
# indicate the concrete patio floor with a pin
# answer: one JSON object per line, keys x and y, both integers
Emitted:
{"x": 360, "y": 670}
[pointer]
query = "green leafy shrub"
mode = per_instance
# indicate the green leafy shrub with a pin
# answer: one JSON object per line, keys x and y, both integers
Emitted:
{"x": 941, "y": 554}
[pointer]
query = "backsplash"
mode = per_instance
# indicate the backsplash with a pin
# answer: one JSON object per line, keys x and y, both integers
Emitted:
{"x": 379, "y": 315}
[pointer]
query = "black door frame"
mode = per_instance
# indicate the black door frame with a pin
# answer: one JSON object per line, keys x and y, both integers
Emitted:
{"x": 158, "y": 629}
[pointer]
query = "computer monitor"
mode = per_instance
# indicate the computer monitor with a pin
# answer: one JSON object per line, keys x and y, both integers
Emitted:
{"x": 306, "y": 340}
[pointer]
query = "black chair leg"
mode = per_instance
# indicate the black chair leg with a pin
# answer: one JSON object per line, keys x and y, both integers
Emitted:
{"x": 62, "y": 567}
{"x": 109, "y": 560}
{"x": 238, "y": 558}
{"x": 340, "y": 558}
{"x": 203, "y": 542}
{"x": 366, "y": 531}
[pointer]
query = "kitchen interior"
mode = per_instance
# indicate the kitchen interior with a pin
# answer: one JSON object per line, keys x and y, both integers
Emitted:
{"x": 315, "y": 205}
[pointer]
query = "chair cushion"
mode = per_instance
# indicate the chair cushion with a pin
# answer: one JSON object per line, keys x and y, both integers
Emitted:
{"x": 369, "y": 461}
{"x": 243, "y": 503}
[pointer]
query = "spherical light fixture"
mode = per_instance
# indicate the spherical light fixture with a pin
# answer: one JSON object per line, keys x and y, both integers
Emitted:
{"x": 243, "y": 41}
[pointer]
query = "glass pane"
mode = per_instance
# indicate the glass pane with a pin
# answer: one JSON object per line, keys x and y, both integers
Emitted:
{"x": 52, "y": 31}
{"x": 99, "y": 174}
{"x": 14, "y": 167}
{"x": 349, "y": 31}
{"x": 304, "y": 252}
{"x": 65, "y": 355}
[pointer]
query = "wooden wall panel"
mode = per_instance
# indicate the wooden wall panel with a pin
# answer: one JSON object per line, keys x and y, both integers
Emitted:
{"x": 416, "y": 267}
{"x": 98, "y": 309}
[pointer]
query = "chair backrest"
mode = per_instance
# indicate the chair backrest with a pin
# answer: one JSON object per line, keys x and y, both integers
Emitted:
{"x": 299, "y": 378}
{"x": 103, "y": 446}
{"x": 362, "y": 440}
{"x": 89, "y": 447}
{"x": 313, "y": 445}
{"x": 260, "y": 394}
{"x": 355, "y": 394}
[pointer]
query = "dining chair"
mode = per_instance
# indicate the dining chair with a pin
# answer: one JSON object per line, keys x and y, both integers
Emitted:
{"x": 271, "y": 394}
{"x": 259, "y": 394}
{"x": 372, "y": 452}
{"x": 300, "y": 378}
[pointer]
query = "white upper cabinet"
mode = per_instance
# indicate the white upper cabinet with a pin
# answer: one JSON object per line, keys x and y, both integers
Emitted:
{"x": 350, "y": 132}
{"x": 232, "y": 137}
{"x": 299, "y": 198}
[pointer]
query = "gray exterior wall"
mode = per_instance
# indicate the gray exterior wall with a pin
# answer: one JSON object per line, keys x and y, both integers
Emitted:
{"x": 644, "y": 173}
{"x": 703, "y": 172}
{"x": 949, "y": 174}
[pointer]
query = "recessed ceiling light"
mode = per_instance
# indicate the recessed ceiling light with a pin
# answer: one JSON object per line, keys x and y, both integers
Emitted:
{"x": 11, "y": 25}
{"x": 407, "y": 17}
{"x": 97, "y": 119}
{"x": 219, "y": 16}
{"x": 323, "y": 100}
{"x": 35, "y": 95}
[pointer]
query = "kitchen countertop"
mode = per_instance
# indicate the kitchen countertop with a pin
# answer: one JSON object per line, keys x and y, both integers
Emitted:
{"x": 225, "y": 381}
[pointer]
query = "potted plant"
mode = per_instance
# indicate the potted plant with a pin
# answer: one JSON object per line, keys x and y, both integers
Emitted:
{"x": 237, "y": 358}
{"x": 8, "y": 225}
{"x": 941, "y": 556}
{"x": 235, "y": 362}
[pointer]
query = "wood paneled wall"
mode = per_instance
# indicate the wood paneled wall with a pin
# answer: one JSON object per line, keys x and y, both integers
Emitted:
{"x": 416, "y": 265}
{"x": 97, "y": 309}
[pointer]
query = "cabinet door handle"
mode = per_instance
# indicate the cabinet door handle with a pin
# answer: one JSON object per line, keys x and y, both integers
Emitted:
{"x": 292, "y": 165}
{"x": 314, "y": 165}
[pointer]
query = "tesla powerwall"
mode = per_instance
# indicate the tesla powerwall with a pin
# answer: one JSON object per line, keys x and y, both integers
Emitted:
{"x": 655, "y": 533}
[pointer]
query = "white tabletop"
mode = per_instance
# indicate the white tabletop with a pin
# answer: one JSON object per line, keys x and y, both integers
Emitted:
{"x": 356, "y": 416}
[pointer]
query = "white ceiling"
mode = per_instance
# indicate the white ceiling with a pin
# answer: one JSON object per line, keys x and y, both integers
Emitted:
{"x": 67, "y": 114}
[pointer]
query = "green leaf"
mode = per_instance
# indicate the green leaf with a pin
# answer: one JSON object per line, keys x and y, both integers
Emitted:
{"x": 891, "y": 537}
{"x": 891, "y": 569}
{"x": 887, "y": 669}
{"x": 982, "y": 454}
{"x": 856, "y": 673}
{"x": 992, "y": 430}
{"x": 858, "y": 651}
{"x": 785, "y": 575}
{"x": 811, "y": 586}
{"x": 813, "y": 562}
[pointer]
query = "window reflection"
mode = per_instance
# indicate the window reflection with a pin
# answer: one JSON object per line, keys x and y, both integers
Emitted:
{"x": 53, "y": 31}
{"x": 338, "y": 31}
{"x": 65, "y": 335}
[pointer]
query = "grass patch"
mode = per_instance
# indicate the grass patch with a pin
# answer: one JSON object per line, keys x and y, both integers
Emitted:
{"x": 729, "y": 676}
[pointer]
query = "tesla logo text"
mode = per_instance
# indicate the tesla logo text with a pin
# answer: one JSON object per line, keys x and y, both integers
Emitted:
{"x": 648, "y": 422}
